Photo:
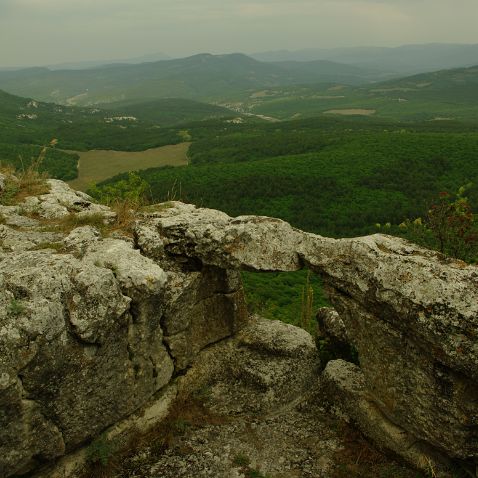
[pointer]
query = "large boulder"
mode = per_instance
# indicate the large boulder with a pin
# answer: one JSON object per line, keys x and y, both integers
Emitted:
{"x": 266, "y": 366}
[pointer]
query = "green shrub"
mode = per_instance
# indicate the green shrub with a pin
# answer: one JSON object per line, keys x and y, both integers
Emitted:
{"x": 100, "y": 451}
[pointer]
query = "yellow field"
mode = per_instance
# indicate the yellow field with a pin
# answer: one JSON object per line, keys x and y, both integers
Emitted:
{"x": 97, "y": 165}
{"x": 347, "y": 112}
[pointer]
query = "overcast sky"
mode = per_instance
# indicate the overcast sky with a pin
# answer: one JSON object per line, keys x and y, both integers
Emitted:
{"x": 36, "y": 32}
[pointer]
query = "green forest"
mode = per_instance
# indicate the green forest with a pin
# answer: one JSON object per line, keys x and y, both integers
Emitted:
{"x": 334, "y": 183}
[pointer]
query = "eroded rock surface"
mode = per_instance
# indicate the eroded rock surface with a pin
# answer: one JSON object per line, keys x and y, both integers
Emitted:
{"x": 90, "y": 328}
{"x": 411, "y": 313}
{"x": 93, "y": 325}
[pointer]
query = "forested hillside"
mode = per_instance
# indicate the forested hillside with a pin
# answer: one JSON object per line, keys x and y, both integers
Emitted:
{"x": 27, "y": 125}
{"x": 438, "y": 96}
{"x": 327, "y": 177}
{"x": 170, "y": 111}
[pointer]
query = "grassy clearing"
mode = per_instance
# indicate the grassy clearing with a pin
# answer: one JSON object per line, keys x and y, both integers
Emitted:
{"x": 350, "y": 112}
{"x": 98, "y": 165}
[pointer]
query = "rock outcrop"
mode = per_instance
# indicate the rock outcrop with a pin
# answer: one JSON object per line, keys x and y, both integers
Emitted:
{"x": 91, "y": 329}
{"x": 411, "y": 313}
{"x": 93, "y": 326}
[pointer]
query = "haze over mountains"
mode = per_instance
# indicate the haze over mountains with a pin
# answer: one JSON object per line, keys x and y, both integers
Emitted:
{"x": 403, "y": 60}
{"x": 227, "y": 78}
{"x": 79, "y": 65}
{"x": 205, "y": 76}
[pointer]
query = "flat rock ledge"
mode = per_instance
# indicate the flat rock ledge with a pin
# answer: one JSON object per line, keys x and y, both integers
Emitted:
{"x": 96, "y": 327}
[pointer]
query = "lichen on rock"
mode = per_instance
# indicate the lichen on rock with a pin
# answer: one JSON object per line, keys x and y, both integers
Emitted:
{"x": 93, "y": 328}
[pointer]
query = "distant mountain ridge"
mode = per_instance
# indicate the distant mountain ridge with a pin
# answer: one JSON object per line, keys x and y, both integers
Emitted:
{"x": 403, "y": 60}
{"x": 80, "y": 65}
{"x": 199, "y": 77}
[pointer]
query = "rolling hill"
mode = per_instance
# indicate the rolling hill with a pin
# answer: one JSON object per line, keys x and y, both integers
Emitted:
{"x": 440, "y": 96}
{"x": 170, "y": 111}
{"x": 459, "y": 84}
{"x": 26, "y": 125}
{"x": 204, "y": 77}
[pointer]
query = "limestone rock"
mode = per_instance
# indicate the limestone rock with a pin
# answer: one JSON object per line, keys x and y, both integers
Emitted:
{"x": 72, "y": 359}
{"x": 346, "y": 383}
{"x": 13, "y": 240}
{"x": 92, "y": 328}
{"x": 139, "y": 276}
{"x": 81, "y": 329}
{"x": 80, "y": 238}
{"x": 267, "y": 365}
{"x": 331, "y": 324}
{"x": 411, "y": 313}
{"x": 201, "y": 308}
{"x": 11, "y": 216}
{"x": 61, "y": 201}
{"x": 251, "y": 242}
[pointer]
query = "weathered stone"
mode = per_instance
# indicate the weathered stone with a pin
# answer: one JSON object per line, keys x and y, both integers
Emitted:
{"x": 435, "y": 403}
{"x": 81, "y": 337}
{"x": 202, "y": 308}
{"x": 81, "y": 238}
{"x": 252, "y": 242}
{"x": 84, "y": 362}
{"x": 331, "y": 325}
{"x": 418, "y": 304}
{"x": 61, "y": 201}
{"x": 344, "y": 385}
{"x": 267, "y": 365}
{"x": 12, "y": 240}
{"x": 89, "y": 336}
{"x": 138, "y": 276}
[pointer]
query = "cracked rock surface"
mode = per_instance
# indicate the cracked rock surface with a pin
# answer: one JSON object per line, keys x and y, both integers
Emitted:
{"x": 93, "y": 324}
{"x": 90, "y": 328}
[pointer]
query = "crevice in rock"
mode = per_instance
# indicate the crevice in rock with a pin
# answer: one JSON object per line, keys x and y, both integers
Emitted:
{"x": 27, "y": 398}
{"x": 153, "y": 363}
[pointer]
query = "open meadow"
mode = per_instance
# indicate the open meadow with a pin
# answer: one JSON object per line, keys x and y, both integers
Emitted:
{"x": 98, "y": 165}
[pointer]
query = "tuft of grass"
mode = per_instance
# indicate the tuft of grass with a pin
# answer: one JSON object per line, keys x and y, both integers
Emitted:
{"x": 28, "y": 181}
{"x": 101, "y": 459}
{"x": 244, "y": 462}
{"x": 56, "y": 246}
{"x": 241, "y": 460}
{"x": 16, "y": 308}
{"x": 125, "y": 210}
{"x": 72, "y": 221}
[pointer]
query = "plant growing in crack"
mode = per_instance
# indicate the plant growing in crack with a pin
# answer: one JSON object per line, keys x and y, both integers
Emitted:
{"x": 16, "y": 307}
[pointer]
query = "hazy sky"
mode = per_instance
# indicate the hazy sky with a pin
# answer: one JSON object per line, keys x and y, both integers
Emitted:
{"x": 53, "y": 31}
